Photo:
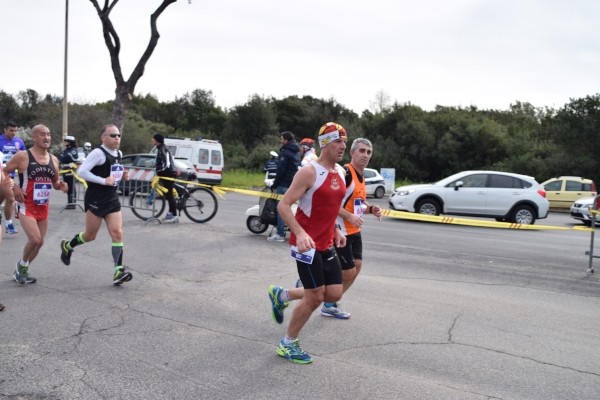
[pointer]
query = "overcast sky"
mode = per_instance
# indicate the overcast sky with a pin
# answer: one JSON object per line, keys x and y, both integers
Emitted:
{"x": 488, "y": 54}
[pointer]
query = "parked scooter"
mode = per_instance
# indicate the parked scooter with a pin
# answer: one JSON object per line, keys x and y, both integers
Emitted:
{"x": 263, "y": 215}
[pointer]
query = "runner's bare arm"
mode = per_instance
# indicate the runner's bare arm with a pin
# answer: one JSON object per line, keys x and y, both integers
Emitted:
{"x": 58, "y": 183}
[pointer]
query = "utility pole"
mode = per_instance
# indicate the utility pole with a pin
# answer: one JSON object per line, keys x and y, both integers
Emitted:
{"x": 65, "y": 124}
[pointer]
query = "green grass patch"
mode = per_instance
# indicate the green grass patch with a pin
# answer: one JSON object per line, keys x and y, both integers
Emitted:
{"x": 243, "y": 179}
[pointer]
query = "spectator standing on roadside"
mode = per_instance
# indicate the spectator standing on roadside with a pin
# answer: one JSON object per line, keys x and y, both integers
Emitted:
{"x": 39, "y": 171}
{"x": 307, "y": 148}
{"x": 165, "y": 167}
{"x": 10, "y": 144}
{"x": 287, "y": 166}
{"x": 102, "y": 170}
{"x": 68, "y": 158}
{"x": 319, "y": 188}
{"x": 87, "y": 148}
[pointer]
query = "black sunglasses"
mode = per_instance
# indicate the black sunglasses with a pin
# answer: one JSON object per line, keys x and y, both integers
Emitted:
{"x": 114, "y": 135}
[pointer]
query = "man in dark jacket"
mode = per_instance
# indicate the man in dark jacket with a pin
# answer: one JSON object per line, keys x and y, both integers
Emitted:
{"x": 68, "y": 158}
{"x": 287, "y": 166}
{"x": 165, "y": 167}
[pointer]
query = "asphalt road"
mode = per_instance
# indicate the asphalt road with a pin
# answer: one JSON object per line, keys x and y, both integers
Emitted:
{"x": 438, "y": 312}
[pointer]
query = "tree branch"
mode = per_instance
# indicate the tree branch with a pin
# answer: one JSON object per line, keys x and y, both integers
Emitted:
{"x": 138, "y": 71}
{"x": 111, "y": 38}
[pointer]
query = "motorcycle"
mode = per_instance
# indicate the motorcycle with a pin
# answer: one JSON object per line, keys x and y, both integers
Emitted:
{"x": 263, "y": 214}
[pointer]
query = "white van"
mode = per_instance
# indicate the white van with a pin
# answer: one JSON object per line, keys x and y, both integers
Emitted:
{"x": 206, "y": 156}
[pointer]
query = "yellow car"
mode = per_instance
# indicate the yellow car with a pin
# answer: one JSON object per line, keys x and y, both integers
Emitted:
{"x": 564, "y": 190}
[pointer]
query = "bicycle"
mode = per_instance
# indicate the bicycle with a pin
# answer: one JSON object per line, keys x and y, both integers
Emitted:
{"x": 199, "y": 203}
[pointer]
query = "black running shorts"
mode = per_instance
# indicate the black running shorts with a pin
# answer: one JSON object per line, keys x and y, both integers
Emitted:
{"x": 324, "y": 270}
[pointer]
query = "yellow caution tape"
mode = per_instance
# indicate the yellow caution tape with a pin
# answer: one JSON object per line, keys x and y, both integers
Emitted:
{"x": 473, "y": 222}
{"x": 73, "y": 171}
{"x": 385, "y": 212}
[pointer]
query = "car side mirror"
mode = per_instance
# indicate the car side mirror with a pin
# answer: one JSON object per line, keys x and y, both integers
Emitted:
{"x": 458, "y": 184}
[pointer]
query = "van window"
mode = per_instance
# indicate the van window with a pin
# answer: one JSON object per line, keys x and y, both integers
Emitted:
{"x": 203, "y": 157}
{"x": 215, "y": 157}
{"x": 184, "y": 152}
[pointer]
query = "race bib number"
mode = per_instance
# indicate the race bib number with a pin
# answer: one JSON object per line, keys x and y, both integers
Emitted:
{"x": 306, "y": 257}
{"x": 41, "y": 193}
{"x": 359, "y": 207}
{"x": 116, "y": 171}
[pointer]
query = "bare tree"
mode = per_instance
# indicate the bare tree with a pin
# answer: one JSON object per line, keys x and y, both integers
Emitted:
{"x": 381, "y": 103}
{"x": 125, "y": 88}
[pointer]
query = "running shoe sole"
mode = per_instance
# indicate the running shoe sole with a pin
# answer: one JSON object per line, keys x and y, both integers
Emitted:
{"x": 126, "y": 277}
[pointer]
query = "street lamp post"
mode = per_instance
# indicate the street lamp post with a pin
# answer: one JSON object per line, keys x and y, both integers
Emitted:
{"x": 65, "y": 125}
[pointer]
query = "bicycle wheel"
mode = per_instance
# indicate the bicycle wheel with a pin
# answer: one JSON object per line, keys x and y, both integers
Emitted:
{"x": 201, "y": 205}
{"x": 138, "y": 200}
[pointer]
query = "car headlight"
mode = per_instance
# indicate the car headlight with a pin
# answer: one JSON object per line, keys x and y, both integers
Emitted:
{"x": 404, "y": 192}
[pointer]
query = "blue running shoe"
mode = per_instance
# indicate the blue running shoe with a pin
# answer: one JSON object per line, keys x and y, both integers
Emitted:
{"x": 277, "y": 306}
{"x": 293, "y": 352}
{"x": 10, "y": 229}
{"x": 334, "y": 311}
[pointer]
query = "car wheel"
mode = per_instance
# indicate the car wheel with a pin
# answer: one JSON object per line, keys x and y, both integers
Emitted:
{"x": 523, "y": 215}
{"x": 428, "y": 207}
{"x": 379, "y": 192}
{"x": 587, "y": 223}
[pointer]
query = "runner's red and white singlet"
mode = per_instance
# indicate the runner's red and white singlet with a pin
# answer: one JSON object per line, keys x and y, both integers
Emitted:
{"x": 319, "y": 206}
{"x": 36, "y": 186}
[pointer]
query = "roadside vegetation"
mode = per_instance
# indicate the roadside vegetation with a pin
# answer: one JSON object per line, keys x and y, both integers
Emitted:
{"x": 422, "y": 146}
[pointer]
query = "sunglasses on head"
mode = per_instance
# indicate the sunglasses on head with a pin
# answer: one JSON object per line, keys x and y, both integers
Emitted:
{"x": 114, "y": 135}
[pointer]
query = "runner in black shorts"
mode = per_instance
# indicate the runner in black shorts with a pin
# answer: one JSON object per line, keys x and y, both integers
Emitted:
{"x": 319, "y": 189}
{"x": 102, "y": 171}
{"x": 350, "y": 219}
{"x": 352, "y": 252}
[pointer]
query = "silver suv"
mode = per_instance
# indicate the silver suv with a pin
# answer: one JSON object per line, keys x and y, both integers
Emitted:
{"x": 505, "y": 196}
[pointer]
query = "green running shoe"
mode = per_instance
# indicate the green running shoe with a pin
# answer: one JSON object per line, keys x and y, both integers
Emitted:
{"x": 21, "y": 275}
{"x": 121, "y": 275}
{"x": 65, "y": 253}
{"x": 293, "y": 352}
{"x": 277, "y": 306}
